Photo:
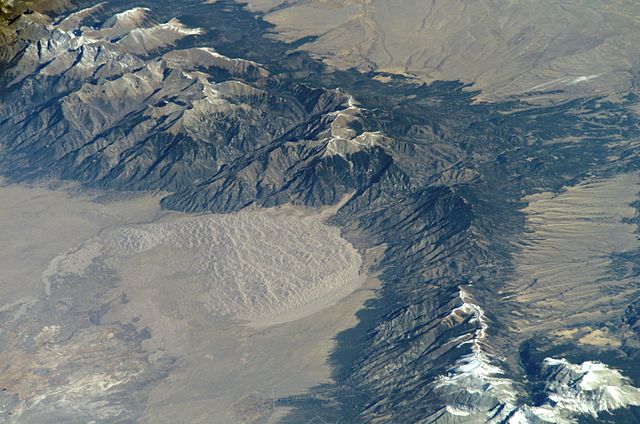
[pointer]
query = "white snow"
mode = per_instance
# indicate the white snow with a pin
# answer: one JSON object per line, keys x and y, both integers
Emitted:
{"x": 594, "y": 388}
{"x": 342, "y": 140}
{"x": 457, "y": 412}
{"x": 477, "y": 364}
{"x": 476, "y": 372}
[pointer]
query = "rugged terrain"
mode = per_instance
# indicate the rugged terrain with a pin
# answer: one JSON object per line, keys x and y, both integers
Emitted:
{"x": 508, "y": 229}
{"x": 14, "y": 10}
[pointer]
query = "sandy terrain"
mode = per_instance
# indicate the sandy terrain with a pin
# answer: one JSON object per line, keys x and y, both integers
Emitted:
{"x": 37, "y": 223}
{"x": 118, "y": 310}
{"x": 504, "y": 47}
{"x": 570, "y": 274}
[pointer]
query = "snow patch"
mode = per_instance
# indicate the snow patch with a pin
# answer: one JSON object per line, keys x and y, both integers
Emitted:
{"x": 588, "y": 388}
{"x": 343, "y": 140}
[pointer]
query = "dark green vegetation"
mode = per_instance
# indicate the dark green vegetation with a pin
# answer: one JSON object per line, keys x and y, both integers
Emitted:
{"x": 444, "y": 195}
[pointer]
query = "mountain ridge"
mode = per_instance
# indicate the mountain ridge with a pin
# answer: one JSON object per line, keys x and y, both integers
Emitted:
{"x": 437, "y": 180}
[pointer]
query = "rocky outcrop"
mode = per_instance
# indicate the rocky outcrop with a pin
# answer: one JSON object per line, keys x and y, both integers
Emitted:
{"x": 436, "y": 180}
{"x": 111, "y": 106}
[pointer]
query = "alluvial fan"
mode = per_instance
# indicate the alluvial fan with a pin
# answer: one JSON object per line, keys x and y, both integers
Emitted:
{"x": 508, "y": 229}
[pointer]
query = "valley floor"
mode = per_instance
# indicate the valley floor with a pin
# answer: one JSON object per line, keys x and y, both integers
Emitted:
{"x": 110, "y": 305}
